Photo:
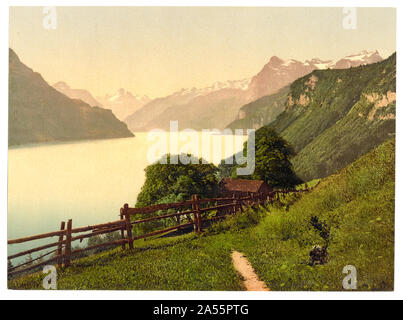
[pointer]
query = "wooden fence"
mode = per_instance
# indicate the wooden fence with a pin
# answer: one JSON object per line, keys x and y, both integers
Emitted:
{"x": 195, "y": 212}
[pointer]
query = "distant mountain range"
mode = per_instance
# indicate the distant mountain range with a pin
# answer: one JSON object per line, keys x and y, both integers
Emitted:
{"x": 123, "y": 103}
{"x": 192, "y": 107}
{"x": 40, "y": 113}
{"x": 278, "y": 73}
{"x": 218, "y": 105}
{"x": 275, "y": 78}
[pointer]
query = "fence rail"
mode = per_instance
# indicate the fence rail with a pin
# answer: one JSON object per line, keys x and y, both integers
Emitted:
{"x": 195, "y": 211}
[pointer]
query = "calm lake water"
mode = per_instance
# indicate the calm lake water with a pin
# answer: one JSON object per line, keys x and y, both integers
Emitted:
{"x": 85, "y": 181}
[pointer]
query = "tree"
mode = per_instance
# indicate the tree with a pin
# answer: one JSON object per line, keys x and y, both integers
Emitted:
{"x": 167, "y": 183}
{"x": 225, "y": 170}
{"x": 272, "y": 160}
{"x": 177, "y": 181}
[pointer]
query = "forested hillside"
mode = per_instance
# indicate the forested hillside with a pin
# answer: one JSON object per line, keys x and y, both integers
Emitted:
{"x": 332, "y": 117}
{"x": 261, "y": 112}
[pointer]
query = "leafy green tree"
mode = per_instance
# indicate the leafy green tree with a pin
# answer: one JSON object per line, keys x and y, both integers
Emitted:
{"x": 272, "y": 160}
{"x": 177, "y": 181}
{"x": 167, "y": 183}
{"x": 225, "y": 170}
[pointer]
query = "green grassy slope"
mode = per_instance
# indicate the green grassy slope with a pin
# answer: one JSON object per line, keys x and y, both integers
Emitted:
{"x": 261, "y": 112}
{"x": 334, "y": 116}
{"x": 182, "y": 263}
{"x": 357, "y": 204}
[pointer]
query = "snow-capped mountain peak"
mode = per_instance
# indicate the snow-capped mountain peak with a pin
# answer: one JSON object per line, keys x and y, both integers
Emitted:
{"x": 218, "y": 85}
{"x": 122, "y": 95}
{"x": 123, "y": 102}
{"x": 363, "y": 55}
{"x": 320, "y": 64}
{"x": 278, "y": 73}
{"x": 354, "y": 60}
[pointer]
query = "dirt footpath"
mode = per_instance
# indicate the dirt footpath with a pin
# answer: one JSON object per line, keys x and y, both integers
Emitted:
{"x": 245, "y": 269}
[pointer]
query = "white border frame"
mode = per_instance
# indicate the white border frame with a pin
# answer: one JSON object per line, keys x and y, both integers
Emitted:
{"x": 190, "y": 295}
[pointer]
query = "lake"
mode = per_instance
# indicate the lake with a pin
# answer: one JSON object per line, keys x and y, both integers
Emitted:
{"x": 85, "y": 181}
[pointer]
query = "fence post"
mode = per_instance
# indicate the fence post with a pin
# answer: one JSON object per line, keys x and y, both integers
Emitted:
{"x": 234, "y": 201}
{"x": 60, "y": 247}
{"x": 199, "y": 219}
{"x": 196, "y": 214}
{"x": 122, "y": 231}
{"x": 240, "y": 204}
{"x": 67, "y": 251}
{"x": 178, "y": 218}
{"x": 128, "y": 225}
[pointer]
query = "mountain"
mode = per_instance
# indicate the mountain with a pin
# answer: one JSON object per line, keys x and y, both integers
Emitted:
{"x": 332, "y": 117}
{"x": 261, "y": 111}
{"x": 276, "y": 74}
{"x": 220, "y": 104}
{"x": 123, "y": 103}
{"x": 40, "y": 113}
{"x": 193, "y": 108}
{"x": 355, "y": 60}
{"x": 279, "y": 74}
{"x": 79, "y": 94}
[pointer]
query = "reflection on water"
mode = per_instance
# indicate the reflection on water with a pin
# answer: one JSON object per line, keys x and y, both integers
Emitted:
{"x": 84, "y": 181}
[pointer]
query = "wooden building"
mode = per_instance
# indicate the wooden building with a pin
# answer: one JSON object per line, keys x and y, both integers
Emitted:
{"x": 242, "y": 187}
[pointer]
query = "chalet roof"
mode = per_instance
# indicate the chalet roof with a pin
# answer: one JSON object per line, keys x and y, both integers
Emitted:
{"x": 242, "y": 185}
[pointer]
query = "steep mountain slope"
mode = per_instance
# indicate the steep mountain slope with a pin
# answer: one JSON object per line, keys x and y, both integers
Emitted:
{"x": 123, "y": 103}
{"x": 79, "y": 94}
{"x": 334, "y": 116}
{"x": 39, "y": 113}
{"x": 276, "y": 74}
{"x": 261, "y": 111}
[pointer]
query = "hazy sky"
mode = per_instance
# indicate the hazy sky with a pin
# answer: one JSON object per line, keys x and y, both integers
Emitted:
{"x": 159, "y": 50}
